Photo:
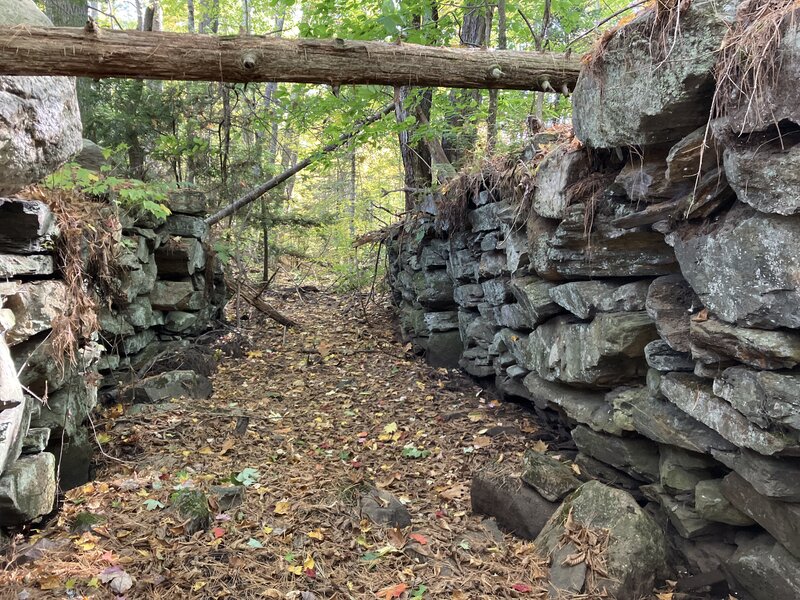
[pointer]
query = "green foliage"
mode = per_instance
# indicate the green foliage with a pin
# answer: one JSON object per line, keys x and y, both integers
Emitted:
{"x": 130, "y": 194}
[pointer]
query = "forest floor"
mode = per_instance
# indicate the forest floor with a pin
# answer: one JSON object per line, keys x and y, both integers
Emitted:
{"x": 334, "y": 407}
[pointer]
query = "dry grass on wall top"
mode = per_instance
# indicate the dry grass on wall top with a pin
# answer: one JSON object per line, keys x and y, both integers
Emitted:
{"x": 509, "y": 177}
{"x": 87, "y": 251}
{"x": 749, "y": 60}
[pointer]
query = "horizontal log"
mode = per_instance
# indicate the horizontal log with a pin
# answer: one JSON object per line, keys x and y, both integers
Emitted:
{"x": 97, "y": 53}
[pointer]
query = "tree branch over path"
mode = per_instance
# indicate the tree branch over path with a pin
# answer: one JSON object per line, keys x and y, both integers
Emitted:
{"x": 98, "y": 53}
{"x": 259, "y": 191}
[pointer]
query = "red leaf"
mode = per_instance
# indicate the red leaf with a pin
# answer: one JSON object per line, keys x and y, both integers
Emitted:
{"x": 393, "y": 591}
{"x": 419, "y": 538}
{"x": 522, "y": 587}
{"x": 218, "y": 532}
{"x": 310, "y": 573}
{"x": 356, "y": 464}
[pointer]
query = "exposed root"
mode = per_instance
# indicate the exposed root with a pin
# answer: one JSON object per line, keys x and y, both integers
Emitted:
{"x": 749, "y": 60}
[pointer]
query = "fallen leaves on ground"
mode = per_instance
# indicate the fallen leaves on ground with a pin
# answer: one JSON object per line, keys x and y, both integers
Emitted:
{"x": 333, "y": 408}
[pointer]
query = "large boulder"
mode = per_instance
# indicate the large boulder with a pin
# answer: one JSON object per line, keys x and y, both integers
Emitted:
{"x": 745, "y": 268}
{"x": 40, "y": 124}
{"x": 636, "y": 555}
{"x": 646, "y": 87}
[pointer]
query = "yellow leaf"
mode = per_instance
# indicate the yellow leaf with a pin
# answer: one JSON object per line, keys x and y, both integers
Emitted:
{"x": 316, "y": 535}
{"x": 576, "y": 469}
{"x": 296, "y": 569}
{"x": 475, "y": 417}
{"x": 664, "y": 596}
{"x": 390, "y": 428}
{"x": 539, "y": 446}
{"x": 198, "y": 585}
{"x": 255, "y": 354}
{"x": 282, "y": 508}
{"x": 308, "y": 563}
{"x": 103, "y": 438}
{"x": 206, "y": 450}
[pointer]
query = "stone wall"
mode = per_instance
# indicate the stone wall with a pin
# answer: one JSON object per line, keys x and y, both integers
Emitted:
{"x": 645, "y": 289}
{"x": 167, "y": 288}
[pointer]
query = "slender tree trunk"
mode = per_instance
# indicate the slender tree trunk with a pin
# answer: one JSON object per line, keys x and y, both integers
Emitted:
{"x": 502, "y": 43}
{"x": 262, "y": 189}
{"x": 190, "y": 16}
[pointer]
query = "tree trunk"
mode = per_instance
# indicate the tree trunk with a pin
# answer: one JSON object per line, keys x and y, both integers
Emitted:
{"x": 180, "y": 56}
{"x": 502, "y": 43}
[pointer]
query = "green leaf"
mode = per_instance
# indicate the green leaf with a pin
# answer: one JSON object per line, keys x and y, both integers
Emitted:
{"x": 152, "y": 504}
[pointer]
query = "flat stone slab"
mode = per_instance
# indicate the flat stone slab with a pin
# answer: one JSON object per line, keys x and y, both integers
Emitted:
{"x": 780, "y": 519}
{"x": 517, "y": 507}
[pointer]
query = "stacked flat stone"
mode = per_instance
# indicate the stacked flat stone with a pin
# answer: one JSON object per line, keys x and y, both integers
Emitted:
{"x": 668, "y": 338}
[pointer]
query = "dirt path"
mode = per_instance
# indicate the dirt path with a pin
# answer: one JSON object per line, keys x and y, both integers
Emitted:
{"x": 333, "y": 408}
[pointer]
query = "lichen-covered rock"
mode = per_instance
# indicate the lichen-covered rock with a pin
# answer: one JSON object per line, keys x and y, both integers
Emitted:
{"x": 680, "y": 471}
{"x": 713, "y": 341}
{"x": 13, "y": 265}
{"x": 606, "y": 352}
{"x": 40, "y": 124}
{"x": 645, "y": 89}
{"x": 586, "y": 298}
{"x": 766, "y": 174}
{"x": 711, "y": 504}
{"x": 35, "y": 304}
{"x": 606, "y": 250}
{"x": 765, "y": 397}
{"x": 635, "y": 456}
{"x": 584, "y": 406}
{"x": 665, "y": 423}
{"x": 28, "y": 489}
{"x": 695, "y": 396}
{"x": 766, "y": 570}
{"x": 745, "y": 268}
{"x": 781, "y": 519}
{"x": 563, "y": 167}
{"x": 636, "y": 556}
{"x": 175, "y": 295}
{"x": 776, "y": 477}
{"x": 670, "y": 303}
{"x": 549, "y": 476}
{"x": 187, "y": 202}
{"x": 533, "y": 295}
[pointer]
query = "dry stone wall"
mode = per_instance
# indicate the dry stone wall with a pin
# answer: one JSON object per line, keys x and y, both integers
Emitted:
{"x": 167, "y": 288}
{"x": 650, "y": 298}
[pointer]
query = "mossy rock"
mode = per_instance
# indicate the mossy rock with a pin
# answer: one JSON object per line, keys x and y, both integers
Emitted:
{"x": 192, "y": 507}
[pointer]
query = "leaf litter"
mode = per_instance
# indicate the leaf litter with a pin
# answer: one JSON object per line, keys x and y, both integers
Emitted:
{"x": 324, "y": 427}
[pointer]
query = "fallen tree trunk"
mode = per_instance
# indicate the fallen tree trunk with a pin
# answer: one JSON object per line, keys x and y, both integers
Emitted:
{"x": 252, "y": 297}
{"x": 92, "y": 52}
{"x": 259, "y": 191}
